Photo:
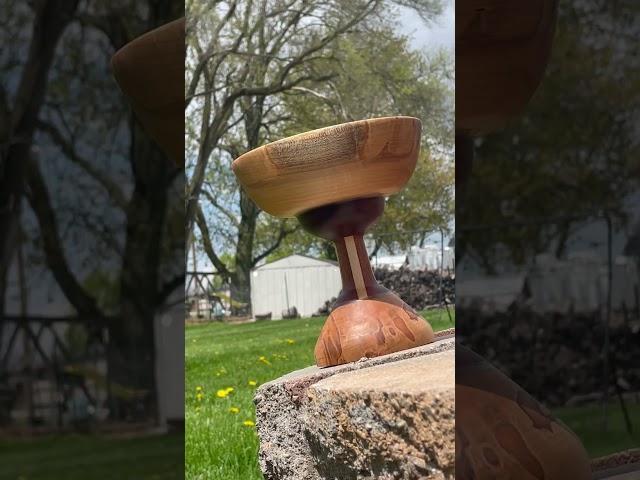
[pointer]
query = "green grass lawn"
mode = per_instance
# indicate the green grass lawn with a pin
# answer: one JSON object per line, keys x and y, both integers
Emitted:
{"x": 586, "y": 422}
{"x": 219, "y": 356}
{"x": 84, "y": 457}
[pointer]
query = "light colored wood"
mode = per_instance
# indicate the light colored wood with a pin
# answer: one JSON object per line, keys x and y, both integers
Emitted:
{"x": 502, "y": 50}
{"x": 367, "y": 158}
{"x": 150, "y": 71}
{"x": 370, "y": 328}
{"x": 356, "y": 269}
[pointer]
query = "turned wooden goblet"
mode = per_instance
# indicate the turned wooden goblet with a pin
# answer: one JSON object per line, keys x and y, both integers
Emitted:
{"x": 334, "y": 181}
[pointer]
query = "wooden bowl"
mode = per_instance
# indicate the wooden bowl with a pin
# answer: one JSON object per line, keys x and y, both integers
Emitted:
{"x": 502, "y": 50}
{"x": 150, "y": 71}
{"x": 367, "y": 158}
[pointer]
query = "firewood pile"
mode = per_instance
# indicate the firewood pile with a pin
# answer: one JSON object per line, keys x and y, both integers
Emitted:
{"x": 556, "y": 357}
{"x": 419, "y": 288}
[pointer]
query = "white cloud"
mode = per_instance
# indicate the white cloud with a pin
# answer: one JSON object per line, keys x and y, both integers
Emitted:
{"x": 439, "y": 34}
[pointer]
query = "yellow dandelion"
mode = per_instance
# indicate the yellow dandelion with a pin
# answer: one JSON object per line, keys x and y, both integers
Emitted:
{"x": 264, "y": 360}
{"x": 224, "y": 392}
{"x": 199, "y": 397}
{"x": 234, "y": 410}
{"x": 198, "y": 388}
{"x": 252, "y": 383}
{"x": 248, "y": 423}
{"x": 290, "y": 341}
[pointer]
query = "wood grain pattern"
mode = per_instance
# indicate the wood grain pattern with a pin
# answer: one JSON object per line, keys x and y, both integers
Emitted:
{"x": 369, "y": 328}
{"x": 355, "y": 267}
{"x": 502, "y": 50}
{"x": 367, "y": 319}
{"x": 150, "y": 71}
{"x": 366, "y": 158}
{"x": 502, "y": 432}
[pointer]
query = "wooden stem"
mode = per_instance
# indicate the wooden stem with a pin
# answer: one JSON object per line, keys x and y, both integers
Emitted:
{"x": 358, "y": 281}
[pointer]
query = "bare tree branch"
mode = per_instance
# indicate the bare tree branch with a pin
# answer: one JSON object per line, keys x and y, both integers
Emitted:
{"x": 54, "y": 253}
{"x": 232, "y": 218}
{"x": 281, "y": 236}
{"x": 206, "y": 242}
{"x": 69, "y": 151}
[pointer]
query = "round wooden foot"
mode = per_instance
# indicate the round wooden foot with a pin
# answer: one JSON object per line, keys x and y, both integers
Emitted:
{"x": 502, "y": 432}
{"x": 369, "y": 328}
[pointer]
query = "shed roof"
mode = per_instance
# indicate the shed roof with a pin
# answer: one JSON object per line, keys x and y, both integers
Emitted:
{"x": 296, "y": 261}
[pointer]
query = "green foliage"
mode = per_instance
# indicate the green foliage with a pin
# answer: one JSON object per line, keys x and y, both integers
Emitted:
{"x": 576, "y": 162}
{"x": 76, "y": 337}
{"x": 105, "y": 288}
{"x": 426, "y": 205}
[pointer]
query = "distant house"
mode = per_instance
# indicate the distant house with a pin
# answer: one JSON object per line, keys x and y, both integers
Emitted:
{"x": 428, "y": 257}
{"x": 294, "y": 281}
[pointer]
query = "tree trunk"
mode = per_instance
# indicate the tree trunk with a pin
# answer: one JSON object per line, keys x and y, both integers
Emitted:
{"x": 132, "y": 356}
{"x": 18, "y": 122}
{"x": 241, "y": 276}
{"x": 132, "y": 348}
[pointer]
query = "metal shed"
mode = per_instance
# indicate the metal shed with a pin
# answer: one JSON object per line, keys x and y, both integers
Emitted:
{"x": 294, "y": 281}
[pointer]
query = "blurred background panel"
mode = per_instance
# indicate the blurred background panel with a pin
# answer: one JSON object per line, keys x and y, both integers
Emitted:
{"x": 548, "y": 210}
{"x": 91, "y": 250}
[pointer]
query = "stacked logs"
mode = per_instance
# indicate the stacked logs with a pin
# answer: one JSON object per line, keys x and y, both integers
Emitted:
{"x": 558, "y": 358}
{"x": 419, "y": 288}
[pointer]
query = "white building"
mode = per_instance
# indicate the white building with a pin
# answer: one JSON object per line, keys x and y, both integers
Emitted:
{"x": 294, "y": 281}
{"x": 429, "y": 257}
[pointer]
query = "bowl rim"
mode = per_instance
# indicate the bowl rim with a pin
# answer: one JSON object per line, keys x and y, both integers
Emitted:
{"x": 236, "y": 161}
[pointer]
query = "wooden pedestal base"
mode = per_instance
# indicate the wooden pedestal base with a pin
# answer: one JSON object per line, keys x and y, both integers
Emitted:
{"x": 369, "y": 328}
{"x": 502, "y": 432}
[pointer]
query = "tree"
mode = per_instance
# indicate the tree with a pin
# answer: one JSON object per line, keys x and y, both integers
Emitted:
{"x": 294, "y": 50}
{"x": 18, "y": 115}
{"x": 570, "y": 156}
{"x": 100, "y": 191}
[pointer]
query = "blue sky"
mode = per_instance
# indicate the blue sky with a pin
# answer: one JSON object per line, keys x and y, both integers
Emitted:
{"x": 439, "y": 34}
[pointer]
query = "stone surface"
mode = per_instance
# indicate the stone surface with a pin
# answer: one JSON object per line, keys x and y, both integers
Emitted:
{"x": 618, "y": 466}
{"x": 389, "y": 417}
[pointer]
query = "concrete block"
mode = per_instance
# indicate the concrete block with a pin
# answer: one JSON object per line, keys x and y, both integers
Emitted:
{"x": 389, "y": 417}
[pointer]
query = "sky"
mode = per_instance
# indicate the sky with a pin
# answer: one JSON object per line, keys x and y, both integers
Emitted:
{"x": 440, "y": 34}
